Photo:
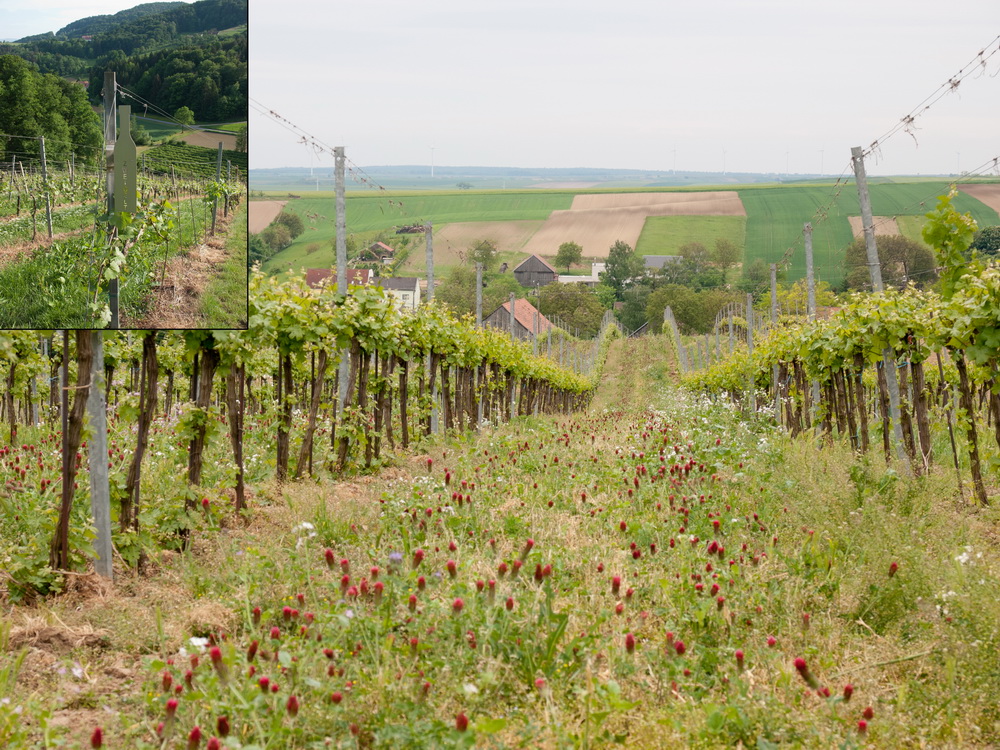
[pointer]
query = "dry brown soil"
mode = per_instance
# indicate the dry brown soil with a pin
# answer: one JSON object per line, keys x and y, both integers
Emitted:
{"x": 177, "y": 301}
{"x": 883, "y": 225}
{"x": 596, "y": 221}
{"x": 988, "y": 194}
{"x": 210, "y": 140}
{"x": 263, "y": 213}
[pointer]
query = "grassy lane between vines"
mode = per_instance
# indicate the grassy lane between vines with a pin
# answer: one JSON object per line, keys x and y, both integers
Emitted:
{"x": 661, "y": 572}
{"x": 224, "y": 304}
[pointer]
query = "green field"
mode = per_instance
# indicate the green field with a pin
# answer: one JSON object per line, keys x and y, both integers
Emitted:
{"x": 666, "y": 235}
{"x": 773, "y": 224}
{"x": 160, "y": 128}
{"x": 775, "y": 217}
{"x": 369, "y": 212}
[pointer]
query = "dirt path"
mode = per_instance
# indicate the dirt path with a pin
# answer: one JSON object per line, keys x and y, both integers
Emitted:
{"x": 177, "y": 302}
{"x": 633, "y": 371}
{"x": 263, "y": 213}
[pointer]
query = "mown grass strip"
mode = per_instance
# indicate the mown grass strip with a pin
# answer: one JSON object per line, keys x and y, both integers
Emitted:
{"x": 225, "y": 301}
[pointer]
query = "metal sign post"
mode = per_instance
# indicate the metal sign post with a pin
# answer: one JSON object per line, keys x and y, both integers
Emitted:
{"x": 122, "y": 190}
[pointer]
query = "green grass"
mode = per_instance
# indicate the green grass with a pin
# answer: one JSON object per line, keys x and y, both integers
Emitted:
{"x": 367, "y": 212}
{"x": 775, "y": 217}
{"x": 158, "y": 128}
{"x": 232, "y": 127}
{"x": 911, "y": 226}
{"x": 52, "y": 287}
{"x": 665, "y": 235}
{"x": 21, "y": 228}
{"x": 224, "y": 303}
{"x": 806, "y": 529}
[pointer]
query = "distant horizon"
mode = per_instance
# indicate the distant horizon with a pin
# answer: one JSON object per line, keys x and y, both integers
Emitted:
{"x": 497, "y": 169}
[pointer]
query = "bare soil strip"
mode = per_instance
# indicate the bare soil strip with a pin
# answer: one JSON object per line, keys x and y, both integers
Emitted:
{"x": 596, "y": 221}
{"x": 456, "y": 238}
{"x": 19, "y": 250}
{"x": 883, "y": 225}
{"x": 709, "y": 203}
{"x": 988, "y": 194}
{"x": 177, "y": 302}
{"x": 263, "y": 213}
{"x": 210, "y": 140}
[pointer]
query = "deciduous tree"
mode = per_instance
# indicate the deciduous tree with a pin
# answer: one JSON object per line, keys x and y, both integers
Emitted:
{"x": 902, "y": 260}
{"x": 622, "y": 268}
{"x": 568, "y": 254}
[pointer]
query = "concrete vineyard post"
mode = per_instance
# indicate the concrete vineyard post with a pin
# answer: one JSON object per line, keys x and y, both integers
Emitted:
{"x": 751, "y": 405}
{"x": 479, "y": 295}
{"x": 97, "y": 451}
{"x": 45, "y": 184}
{"x": 807, "y": 230}
{"x": 429, "y": 237}
{"x": 774, "y": 325}
{"x": 110, "y": 100}
{"x": 340, "y": 208}
{"x": 875, "y": 272}
{"x": 218, "y": 176}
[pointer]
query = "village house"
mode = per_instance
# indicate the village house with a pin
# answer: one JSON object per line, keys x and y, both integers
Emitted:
{"x": 404, "y": 290}
{"x": 596, "y": 269}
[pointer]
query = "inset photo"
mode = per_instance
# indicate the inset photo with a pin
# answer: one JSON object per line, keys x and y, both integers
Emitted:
{"x": 123, "y": 166}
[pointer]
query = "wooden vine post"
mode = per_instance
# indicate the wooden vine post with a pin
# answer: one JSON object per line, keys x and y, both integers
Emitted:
{"x": 205, "y": 362}
{"x": 149, "y": 372}
{"x": 59, "y": 553}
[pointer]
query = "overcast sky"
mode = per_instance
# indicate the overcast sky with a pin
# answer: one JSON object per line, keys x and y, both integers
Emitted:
{"x": 706, "y": 85}
{"x": 764, "y": 86}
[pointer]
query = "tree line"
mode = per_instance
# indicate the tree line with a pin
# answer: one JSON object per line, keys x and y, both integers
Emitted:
{"x": 210, "y": 79}
{"x": 34, "y": 104}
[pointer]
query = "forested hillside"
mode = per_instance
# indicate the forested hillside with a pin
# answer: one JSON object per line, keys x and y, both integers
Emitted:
{"x": 34, "y": 104}
{"x": 210, "y": 79}
{"x": 177, "y": 44}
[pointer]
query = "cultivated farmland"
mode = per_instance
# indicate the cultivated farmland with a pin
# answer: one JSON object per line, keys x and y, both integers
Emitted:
{"x": 763, "y": 220}
{"x": 882, "y": 224}
{"x": 263, "y": 213}
{"x": 597, "y": 220}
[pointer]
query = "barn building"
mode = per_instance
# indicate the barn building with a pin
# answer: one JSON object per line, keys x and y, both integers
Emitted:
{"x": 534, "y": 272}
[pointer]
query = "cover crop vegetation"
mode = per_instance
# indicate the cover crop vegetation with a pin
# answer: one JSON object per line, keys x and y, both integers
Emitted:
{"x": 665, "y": 576}
{"x": 64, "y": 284}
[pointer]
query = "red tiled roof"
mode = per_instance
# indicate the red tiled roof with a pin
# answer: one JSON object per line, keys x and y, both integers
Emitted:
{"x": 524, "y": 313}
{"x": 384, "y": 247}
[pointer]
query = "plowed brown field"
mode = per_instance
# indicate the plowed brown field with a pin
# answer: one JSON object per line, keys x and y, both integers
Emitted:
{"x": 883, "y": 225}
{"x": 263, "y": 213}
{"x": 452, "y": 240}
{"x": 988, "y": 194}
{"x": 597, "y": 221}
